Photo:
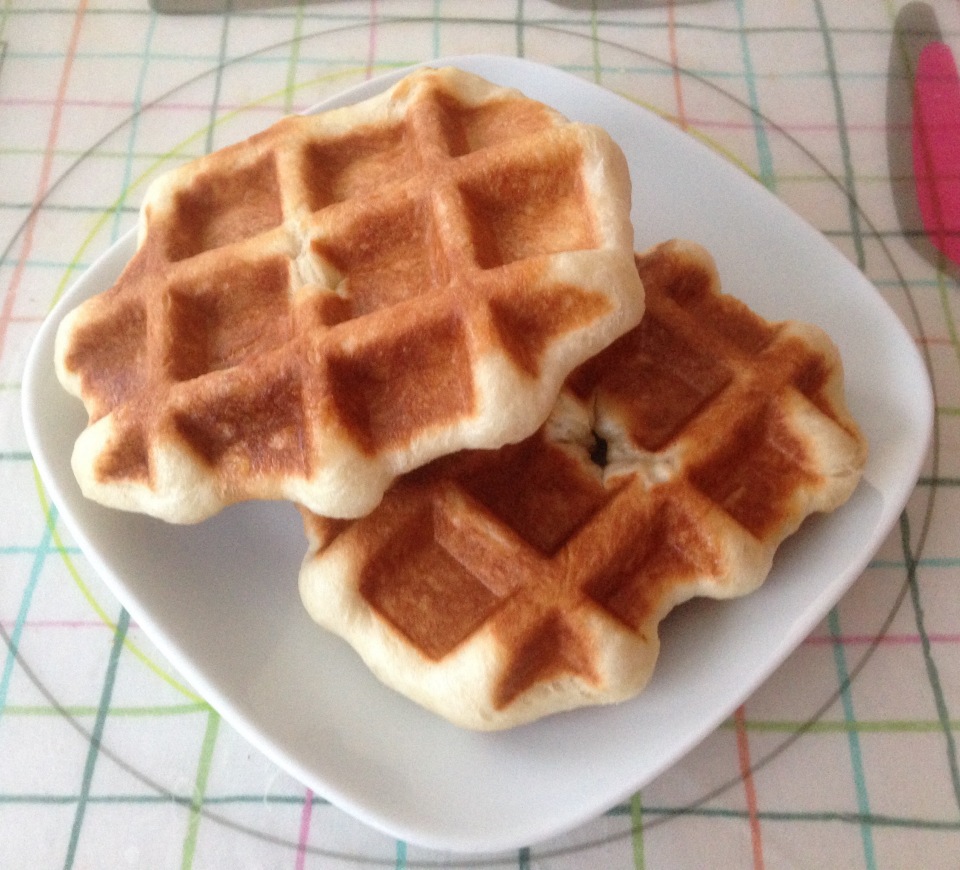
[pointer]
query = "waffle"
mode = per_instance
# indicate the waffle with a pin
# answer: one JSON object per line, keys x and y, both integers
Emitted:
{"x": 346, "y": 296}
{"x": 498, "y": 586}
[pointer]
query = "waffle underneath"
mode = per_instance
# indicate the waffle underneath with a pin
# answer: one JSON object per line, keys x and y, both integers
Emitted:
{"x": 495, "y": 587}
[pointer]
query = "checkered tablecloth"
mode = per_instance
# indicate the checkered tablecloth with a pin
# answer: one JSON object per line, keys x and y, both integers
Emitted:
{"x": 846, "y": 757}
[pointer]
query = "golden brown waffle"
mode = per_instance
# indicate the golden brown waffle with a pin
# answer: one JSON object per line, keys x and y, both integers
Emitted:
{"x": 495, "y": 587}
{"x": 348, "y": 295}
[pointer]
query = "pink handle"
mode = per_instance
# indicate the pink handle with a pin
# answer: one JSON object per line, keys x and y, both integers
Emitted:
{"x": 936, "y": 147}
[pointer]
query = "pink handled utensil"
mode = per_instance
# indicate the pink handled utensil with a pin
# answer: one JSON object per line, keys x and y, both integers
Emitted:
{"x": 936, "y": 147}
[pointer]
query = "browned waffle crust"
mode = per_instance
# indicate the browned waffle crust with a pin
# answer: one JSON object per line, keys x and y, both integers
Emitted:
{"x": 495, "y": 587}
{"x": 348, "y": 295}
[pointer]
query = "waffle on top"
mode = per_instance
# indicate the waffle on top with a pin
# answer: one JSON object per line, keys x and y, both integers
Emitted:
{"x": 498, "y": 586}
{"x": 349, "y": 295}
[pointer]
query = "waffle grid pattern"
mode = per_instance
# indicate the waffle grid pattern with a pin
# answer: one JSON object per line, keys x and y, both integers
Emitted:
{"x": 348, "y": 295}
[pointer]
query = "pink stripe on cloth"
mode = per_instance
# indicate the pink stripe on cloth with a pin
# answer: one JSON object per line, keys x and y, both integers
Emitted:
{"x": 6, "y": 312}
{"x": 305, "y": 816}
{"x": 749, "y": 787}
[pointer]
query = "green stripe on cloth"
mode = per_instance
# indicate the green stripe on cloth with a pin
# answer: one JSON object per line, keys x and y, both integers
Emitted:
{"x": 933, "y": 674}
{"x": 856, "y": 757}
{"x": 843, "y": 138}
{"x": 93, "y": 751}
{"x": 200, "y": 789}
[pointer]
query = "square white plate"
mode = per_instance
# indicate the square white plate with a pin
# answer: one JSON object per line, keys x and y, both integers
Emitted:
{"x": 220, "y": 598}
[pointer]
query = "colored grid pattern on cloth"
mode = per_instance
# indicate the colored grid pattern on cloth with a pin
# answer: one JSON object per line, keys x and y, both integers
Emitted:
{"x": 845, "y": 757}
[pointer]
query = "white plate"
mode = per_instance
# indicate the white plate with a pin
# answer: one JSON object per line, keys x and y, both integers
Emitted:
{"x": 220, "y": 598}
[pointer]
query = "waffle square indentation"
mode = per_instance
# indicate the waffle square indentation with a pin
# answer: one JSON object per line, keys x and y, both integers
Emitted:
{"x": 472, "y": 128}
{"x": 527, "y": 326}
{"x": 398, "y": 389}
{"x": 554, "y": 647}
{"x": 758, "y": 471}
{"x": 667, "y": 547}
{"x": 357, "y": 164}
{"x": 678, "y": 381}
{"x": 222, "y": 207}
{"x": 110, "y": 355}
{"x": 255, "y": 430}
{"x": 234, "y": 314}
{"x": 423, "y": 591}
{"x": 127, "y": 458}
{"x": 528, "y": 210}
{"x": 539, "y": 491}
{"x": 691, "y": 286}
{"x": 386, "y": 257}
{"x": 811, "y": 377}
